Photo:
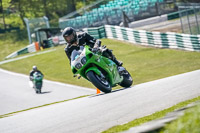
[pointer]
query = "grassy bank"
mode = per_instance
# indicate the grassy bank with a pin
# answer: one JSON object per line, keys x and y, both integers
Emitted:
{"x": 188, "y": 123}
{"x": 11, "y": 42}
{"x": 144, "y": 64}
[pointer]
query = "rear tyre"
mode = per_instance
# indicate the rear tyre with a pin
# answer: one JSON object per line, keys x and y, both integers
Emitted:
{"x": 127, "y": 79}
{"x": 99, "y": 82}
{"x": 36, "y": 91}
{"x": 38, "y": 87}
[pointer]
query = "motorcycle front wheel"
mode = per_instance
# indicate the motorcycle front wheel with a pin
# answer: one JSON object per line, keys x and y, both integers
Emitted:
{"x": 127, "y": 79}
{"x": 99, "y": 82}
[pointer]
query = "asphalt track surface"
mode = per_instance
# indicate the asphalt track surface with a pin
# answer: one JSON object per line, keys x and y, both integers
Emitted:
{"x": 97, "y": 113}
{"x": 16, "y": 93}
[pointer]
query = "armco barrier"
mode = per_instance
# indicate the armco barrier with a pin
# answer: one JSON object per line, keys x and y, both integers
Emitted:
{"x": 28, "y": 49}
{"x": 156, "y": 39}
{"x": 96, "y": 32}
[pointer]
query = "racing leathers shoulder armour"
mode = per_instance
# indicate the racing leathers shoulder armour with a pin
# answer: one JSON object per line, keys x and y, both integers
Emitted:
{"x": 32, "y": 72}
{"x": 83, "y": 39}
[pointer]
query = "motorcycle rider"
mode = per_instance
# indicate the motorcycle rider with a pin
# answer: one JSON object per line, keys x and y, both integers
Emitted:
{"x": 34, "y": 69}
{"x": 74, "y": 41}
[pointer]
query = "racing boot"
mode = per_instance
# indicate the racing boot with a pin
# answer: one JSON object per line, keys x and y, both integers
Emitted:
{"x": 108, "y": 53}
{"x": 119, "y": 63}
{"x": 114, "y": 59}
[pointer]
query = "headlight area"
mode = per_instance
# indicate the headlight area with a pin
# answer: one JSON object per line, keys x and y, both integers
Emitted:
{"x": 78, "y": 65}
{"x": 83, "y": 60}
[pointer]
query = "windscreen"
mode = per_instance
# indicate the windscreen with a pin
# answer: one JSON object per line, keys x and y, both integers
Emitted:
{"x": 76, "y": 53}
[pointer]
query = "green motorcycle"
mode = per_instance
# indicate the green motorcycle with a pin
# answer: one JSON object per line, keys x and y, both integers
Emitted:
{"x": 37, "y": 82}
{"x": 102, "y": 72}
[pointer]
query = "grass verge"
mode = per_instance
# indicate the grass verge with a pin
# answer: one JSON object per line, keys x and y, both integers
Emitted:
{"x": 188, "y": 123}
{"x": 154, "y": 116}
{"x": 11, "y": 42}
{"x": 144, "y": 63}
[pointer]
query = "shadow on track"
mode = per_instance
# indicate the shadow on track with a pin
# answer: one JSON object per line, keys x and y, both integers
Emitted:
{"x": 110, "y": 92}
{"x": 45, "y": 92}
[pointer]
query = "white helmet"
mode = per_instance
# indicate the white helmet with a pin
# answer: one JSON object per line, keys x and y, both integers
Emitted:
{"x": 34, "y": 68}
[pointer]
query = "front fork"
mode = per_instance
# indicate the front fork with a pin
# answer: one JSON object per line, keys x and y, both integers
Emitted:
{"x": 94, "y": 69}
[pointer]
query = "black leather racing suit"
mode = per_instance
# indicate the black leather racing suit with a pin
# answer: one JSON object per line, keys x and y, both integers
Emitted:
{"x": 32, "y": 72}
{"x": 86, "y": 39}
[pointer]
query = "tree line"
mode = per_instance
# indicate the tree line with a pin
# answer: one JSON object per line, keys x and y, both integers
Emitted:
{"x": 12, "y": 12}
{"x": 53, "y": 9}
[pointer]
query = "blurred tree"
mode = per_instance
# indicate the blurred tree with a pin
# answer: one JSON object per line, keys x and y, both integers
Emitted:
{"x": 1, "y": 7}
{"x": 53, "y": 9}
{"x": 71, "y": 6}
{"x": 192, "y": 1}
{"x": 3, "y": 16}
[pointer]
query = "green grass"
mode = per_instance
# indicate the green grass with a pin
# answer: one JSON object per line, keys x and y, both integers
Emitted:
{"x": 144, "y": 63}
{"x": 11, "y": 42}
{"x": 189, "y": 121}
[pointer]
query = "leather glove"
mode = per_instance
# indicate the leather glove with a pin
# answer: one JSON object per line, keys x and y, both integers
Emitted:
{"x": 98, "y": 43}
{"x": 95, "y": 50}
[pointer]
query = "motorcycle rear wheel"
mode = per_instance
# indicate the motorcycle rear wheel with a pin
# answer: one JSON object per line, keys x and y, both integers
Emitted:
{"x": 38, "y": 88}
{"x": 98, "y": 82}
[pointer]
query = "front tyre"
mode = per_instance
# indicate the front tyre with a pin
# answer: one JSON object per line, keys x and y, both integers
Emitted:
{"x": 99, "y": 82}
{"x": 127, "y": 79}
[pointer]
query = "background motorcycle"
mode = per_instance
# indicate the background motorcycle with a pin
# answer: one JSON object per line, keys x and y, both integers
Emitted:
{"x": 37, "y": 82}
